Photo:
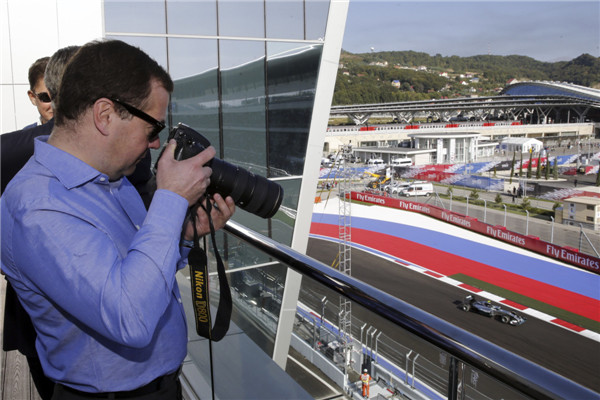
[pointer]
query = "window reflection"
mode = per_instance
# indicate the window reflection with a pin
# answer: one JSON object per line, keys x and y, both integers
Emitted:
{"x": 243, "y": 100}
{"x": 155, "y": 47}
{"x": 195, "y": 100}
{"x": 134, "y": 16}
{"x": 187, "y": 17}
{"x": 244, "y": 18}
{"x": 316, "y": 18}
{"x": 285, "y": 19}
{"x": 282, "y": 224}
{"x": 292, "y": 76}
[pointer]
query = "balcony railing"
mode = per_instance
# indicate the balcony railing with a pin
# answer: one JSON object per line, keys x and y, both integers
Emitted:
{"x": 409, "y": 352}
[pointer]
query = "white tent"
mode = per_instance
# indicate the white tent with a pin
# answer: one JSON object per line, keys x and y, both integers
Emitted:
{"x": 522, "y": 145}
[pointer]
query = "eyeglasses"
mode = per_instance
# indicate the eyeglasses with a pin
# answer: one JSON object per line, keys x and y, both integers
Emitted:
{"x": 158, "y": 126}
{"x": 43, "y": 97}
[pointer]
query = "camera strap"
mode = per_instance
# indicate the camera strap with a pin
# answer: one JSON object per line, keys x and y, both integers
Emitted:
{"x": 197, "y": 261}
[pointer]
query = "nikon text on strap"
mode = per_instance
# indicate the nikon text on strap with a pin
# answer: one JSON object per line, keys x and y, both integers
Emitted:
{"x": 197, "y": 261}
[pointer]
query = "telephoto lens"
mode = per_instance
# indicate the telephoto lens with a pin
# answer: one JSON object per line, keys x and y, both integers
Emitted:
{"x": 253, "y": 193}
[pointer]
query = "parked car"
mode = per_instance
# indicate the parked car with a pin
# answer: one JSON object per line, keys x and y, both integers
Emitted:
{"x": 397, "y": 187}
{"x": 491, "y": 310}
{"x": 375, "y": 161}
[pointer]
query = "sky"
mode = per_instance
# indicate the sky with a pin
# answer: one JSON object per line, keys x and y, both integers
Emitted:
{"x": 545, "y": 30}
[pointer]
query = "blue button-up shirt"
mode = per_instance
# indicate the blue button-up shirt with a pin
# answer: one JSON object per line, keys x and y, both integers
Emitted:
{"x": 95, "y": 271}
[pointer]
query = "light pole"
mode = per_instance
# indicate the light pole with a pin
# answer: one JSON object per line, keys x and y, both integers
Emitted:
{"x": 484, "y": 210}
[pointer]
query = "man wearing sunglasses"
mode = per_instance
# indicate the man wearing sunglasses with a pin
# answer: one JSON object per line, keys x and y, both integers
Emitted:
{"x": 16, "y": 148}
{"x": 38, "y": 93}
{"x": 93, "y": 268}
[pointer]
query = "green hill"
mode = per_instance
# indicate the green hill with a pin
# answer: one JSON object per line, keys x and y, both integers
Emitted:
{"x": 386, "y": 76}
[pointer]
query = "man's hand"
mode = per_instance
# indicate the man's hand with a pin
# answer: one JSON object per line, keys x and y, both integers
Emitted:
{"x": 221, "y": 212}
{"x": 188, "y": 178}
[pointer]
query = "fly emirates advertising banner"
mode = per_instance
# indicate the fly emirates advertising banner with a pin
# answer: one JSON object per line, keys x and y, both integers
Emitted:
{"x": 564, "y": 254}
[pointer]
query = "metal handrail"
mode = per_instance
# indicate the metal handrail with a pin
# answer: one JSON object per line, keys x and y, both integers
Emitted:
{"x": 523, "y": 375}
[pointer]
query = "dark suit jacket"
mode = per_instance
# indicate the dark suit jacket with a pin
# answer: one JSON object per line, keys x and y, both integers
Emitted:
{"x": 17, "y": 147}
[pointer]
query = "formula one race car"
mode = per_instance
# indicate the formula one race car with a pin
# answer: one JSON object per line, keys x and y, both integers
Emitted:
{"x": 491, "y": 310}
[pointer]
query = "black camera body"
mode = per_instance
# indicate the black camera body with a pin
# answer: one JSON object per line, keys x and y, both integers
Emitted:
{"x": 253, "y": 193}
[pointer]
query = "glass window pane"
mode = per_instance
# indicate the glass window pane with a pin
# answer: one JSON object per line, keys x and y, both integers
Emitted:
{"x": 285, "y": 19}
{"x": 195, "y": 100}
{"x": 316, "y": 18}
{"x": 292, "y": 77}
{"x": 243, "y": 100}
{"x": 146, "y": 16}
{"x": 283, "y": 222}
{"x": 154, "y": 47}
{"x": 187, "y": 17}
{"x": 243, "y": 18}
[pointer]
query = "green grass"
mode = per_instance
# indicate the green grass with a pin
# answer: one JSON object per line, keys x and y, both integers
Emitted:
{"x": 531, "y": 303}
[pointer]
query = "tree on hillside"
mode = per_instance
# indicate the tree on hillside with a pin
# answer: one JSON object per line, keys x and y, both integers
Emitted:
{"x": 512, "y": 168}
{"x": 521, "y": 166}
{"x": 529, "y": 166}
{"x": 555, "y": 169}
{"x": 547, "y": 167}
{"x": 538, "y": 171}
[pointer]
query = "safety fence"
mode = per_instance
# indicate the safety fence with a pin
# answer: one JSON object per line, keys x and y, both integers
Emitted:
{"x": 567, "y": 255}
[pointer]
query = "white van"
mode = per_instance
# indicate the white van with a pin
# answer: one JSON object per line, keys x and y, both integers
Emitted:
{"x": 401, "y": 162}
{"x": 418, "y": 189}
{"x": 326, "y": 163}
{"x": 375, "y": 161}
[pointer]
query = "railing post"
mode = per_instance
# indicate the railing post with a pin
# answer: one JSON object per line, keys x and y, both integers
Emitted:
{"x": 377, "y": 341}
{"x": 315, "y": 333}
{"x": 453, "y": 379}
{"x": 412, "y": 384}
{"x": 371, "y": 354}
{"x": 504, "y": 215}
{"x": 484, "y": 210}
{"x": 552, "y": 231}
{"x": 362, "y": 358}
{"x": 323, "y": 303}
{"x": 406, "y": 367}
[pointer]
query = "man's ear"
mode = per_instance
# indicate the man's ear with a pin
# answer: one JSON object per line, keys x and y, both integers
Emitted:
{"x": 104, "y": 115}
{"x": 32, "y": 97}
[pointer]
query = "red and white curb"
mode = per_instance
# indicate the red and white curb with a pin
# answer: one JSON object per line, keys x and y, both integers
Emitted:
{"x": 509, "y": 303}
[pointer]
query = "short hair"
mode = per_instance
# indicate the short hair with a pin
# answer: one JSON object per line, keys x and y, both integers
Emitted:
{"x": 107, "y": 68}
{"x": 36, "y": 71}
{"x": 56, "y": 67}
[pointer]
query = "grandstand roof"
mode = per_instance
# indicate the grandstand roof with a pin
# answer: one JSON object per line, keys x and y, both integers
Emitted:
{"x": 519, "y": 140}
{"x": 547, "y": 88}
